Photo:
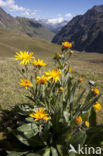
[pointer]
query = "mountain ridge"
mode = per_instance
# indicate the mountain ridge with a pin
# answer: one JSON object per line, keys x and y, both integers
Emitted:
{"x": 28, "y": 26}
{"x": 86, "y": 31}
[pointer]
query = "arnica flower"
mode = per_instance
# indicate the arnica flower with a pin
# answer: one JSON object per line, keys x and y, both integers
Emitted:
{"x": 97, "y": 106}
{"x": 78, "y": 120}
{"x": 80, "y": 79}
{"x": 40, "y": 114}
{"x": 86, "y": 123}
{"x": 71, "y": 52}
{"x": 95, "y": 91}
{"x": 67, "y": 44}
{"x": 39, "y": 63}
{"x": 54, "y": 75}
{"x": 42, "y": 80}
{"x": 61, "y": 88}
{"x": 26, "y": 83}
{"x": 25, "y": 57}
{"x": 68, "y": 70}
{"x": 58, "y": 55}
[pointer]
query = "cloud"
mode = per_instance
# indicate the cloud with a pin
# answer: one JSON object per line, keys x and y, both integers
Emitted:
{"x": 55, "y": 20}
{"x": 11, "y": 6}
{"x": 69, "y": 15}
{"x": 29, "y": 13}
{"x": 60, "y": 18}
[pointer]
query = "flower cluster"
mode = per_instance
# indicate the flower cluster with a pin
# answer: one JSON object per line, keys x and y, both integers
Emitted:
{"x": 25, "y": 57}
{"x": 59, "y": 107}
{"x": 55, "y": 75}
{"x": 39, "y": 63}
{"x": 42, "y": 80}
{"x": 26, "y": 83}
{"x": 40, "y": 114}
{"x": 66, "y": 45}
{"x": 97, "y": 106}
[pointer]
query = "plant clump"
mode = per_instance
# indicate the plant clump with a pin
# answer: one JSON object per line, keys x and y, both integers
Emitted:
{"x": 58, "y": 116}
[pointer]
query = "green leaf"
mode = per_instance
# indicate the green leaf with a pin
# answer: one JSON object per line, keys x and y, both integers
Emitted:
{"x": 30, "y": 119}
{"x": 97, "y": 129}
{"x": 21, "y": 138}
{"x": 73, "y": 92}
{"x": 54, "y": 151}
{"x": 28, "y": 130}
{"x": 67, "y": 97}
{"x": 61, "y": 67}
{"x": 30, "y": 98}
{"x": 33, "y": 154}
{"x": 95, "y": 135}
{"x": 47, "y": 152}
{"x": 14, "y": 153}
{"x": 92, "y": 118}
{"x": 90, "y": 104}
{"x": 79, "y": 98}
{"x": 59, "y": 149}
{"x": 12, "y": 143}
{"x": 35, "y": 141}
{"x": 28, "y": 127}
{"x": 66, "y": 115}
{"x": 24, "y": 109}
{"x": 78, "y": 138}
{"x": 71, "y": 154}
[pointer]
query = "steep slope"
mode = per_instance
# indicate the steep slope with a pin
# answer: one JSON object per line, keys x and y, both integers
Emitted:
{"x": 12, "y": 41}
{"x": 33, "y": 28}
{"x": 86, "y": 31}
{"x": 28, "y": 26}
{"x": 6, "y": 20}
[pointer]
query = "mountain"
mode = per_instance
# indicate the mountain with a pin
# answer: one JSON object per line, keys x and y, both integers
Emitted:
{"x": 33, "y": 28}
{"x": 85, "y": 31}
{"x": 6, "y": 20}
{"x": 30, "y": 27}
{"x": 53, "y": 25}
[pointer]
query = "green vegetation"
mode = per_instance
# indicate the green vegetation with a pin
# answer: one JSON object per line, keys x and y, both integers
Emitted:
{"x": 86, "y": 65}
{"x": 60, "y": 111}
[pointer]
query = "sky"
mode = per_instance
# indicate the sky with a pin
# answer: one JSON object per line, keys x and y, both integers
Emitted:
{"x": 55, "y": 10}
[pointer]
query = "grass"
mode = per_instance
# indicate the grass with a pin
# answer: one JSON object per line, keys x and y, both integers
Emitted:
{"x": 89, "y": 66}
{"x": 83, "y": 65}
{"x": 11, "y": 41}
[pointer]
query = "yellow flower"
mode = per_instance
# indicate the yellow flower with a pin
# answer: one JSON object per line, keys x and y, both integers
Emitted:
{"x": 26, "y": 83}
{"x": 25, "y": 57}
{"x": 67, "y": 44}
{"x": 78, "y": 120}
{"x": 80, "y": 79}
{"x": 58, "y": 55}
{"x": 97, "y": 106}
{"x": 86, "y": 123}
{"x": 61, "y": 88}
{"x": 69, "y": 70}
{"x": 71, "y": 52}
{"x": 42, "y": 80}
{"x": 40, "y": 114}
{"x": 54, "y": 75}
{"x": 39, "y": 63}
{"x": 95, "y": 91}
